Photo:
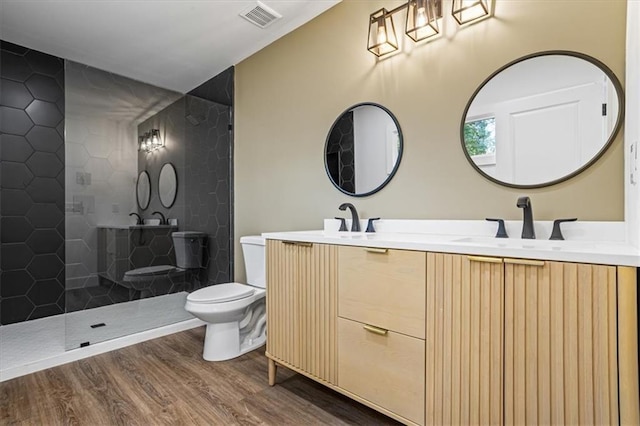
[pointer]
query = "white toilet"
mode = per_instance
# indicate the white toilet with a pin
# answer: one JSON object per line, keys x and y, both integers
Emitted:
{"x": 235, "y": 313}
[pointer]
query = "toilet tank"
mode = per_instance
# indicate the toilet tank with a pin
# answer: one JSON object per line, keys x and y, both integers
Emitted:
{"x": 254, "y": 260}
{"x": 188, "y": 247}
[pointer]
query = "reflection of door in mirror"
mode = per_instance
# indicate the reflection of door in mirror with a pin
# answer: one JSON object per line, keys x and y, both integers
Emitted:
{"x": 530, "y": 125}
{"x": 371, "y": 146}
{"x": 363, "y": 149}
{"x": 393, "y": 147}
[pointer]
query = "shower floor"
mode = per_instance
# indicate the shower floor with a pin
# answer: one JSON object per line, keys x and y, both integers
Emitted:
{"x": 30, "y": 346}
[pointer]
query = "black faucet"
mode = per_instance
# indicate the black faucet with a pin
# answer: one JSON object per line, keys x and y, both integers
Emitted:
{"x": 163, "y": 221}
{"x": 139, "y": 220}
{"x": 355, "y": 220}
{"x": 527, "y": 223}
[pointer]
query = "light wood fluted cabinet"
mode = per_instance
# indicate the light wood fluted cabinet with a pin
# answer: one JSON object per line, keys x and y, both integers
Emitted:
{"x": 465, "y": 338}
{"x": 561, "y": 345}
{"x": 436, "y": 338}
{"x": 301, "y": 308}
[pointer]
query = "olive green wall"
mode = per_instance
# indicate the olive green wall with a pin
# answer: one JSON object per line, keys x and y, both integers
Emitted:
{"x": 289, "y": 94}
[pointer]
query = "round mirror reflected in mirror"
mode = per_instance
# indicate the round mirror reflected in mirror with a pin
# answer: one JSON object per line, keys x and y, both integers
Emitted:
{"x": 168, "y": 185}
{"x": 363, "y": 149}
{"x": 143, "y": 190}
{"x": 542, "y": 119}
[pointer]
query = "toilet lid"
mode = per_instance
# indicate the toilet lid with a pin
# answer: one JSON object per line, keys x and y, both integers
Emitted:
{"x": 221, "y": 293}
{"x": 150, "y": 270}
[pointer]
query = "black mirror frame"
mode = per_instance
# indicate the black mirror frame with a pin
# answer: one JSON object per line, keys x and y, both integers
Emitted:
{"x": 616, "y": 129}
{"x": 395, "y": 167}
{"x": 144, "y": 172}
{"x": 175, "y": 196}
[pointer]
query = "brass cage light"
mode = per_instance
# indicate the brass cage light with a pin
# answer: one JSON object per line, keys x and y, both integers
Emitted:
{"x": 466, "y": 11}
{"x": 422, "y": 19}
{"x": 382, "y": 33}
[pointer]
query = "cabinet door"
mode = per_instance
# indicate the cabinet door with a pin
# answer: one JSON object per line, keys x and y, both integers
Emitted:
{"x": 560, "y": 343}
{"x": 317, "y": 296}
{"x": 464, "y": 339}
{"x": 301, "y": 306}
{"x": 283, "y": 325}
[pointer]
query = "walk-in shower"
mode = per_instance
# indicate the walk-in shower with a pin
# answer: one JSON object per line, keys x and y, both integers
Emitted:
{"x": 71, "y": 163}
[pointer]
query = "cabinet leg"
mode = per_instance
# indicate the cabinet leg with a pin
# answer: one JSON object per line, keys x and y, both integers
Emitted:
{"x": 272, "y": 372}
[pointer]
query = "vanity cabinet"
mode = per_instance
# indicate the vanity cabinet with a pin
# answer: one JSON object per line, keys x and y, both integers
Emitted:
{"x": 436, "y": 338}
{"x": 381, "y": 330}
{"x": 301, "y": 307}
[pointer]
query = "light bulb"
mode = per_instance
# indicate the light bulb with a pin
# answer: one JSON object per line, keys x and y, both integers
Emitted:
{"x": 382, "y": 35}
{"x": 421, "y": 18}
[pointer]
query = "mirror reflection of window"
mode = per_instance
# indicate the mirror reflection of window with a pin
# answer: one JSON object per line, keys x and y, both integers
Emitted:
{"x": 541, "y": 119}
{"x": 480, "y": 141}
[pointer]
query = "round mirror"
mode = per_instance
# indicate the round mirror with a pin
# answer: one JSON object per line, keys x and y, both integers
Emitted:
{"x": 168, "y": 185}
{"x": 542, "y": 119}
{"x": 143, "y": 190}
{"x": 363, "y": 149}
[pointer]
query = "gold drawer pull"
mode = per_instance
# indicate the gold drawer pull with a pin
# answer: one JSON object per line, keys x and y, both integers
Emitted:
{"x": 298, "y": 243}
{"x": 376, "y": 330}
{"x": 484, "y": 259}
{"x": 376, "y": 250}
{"x": 527, "y": 262}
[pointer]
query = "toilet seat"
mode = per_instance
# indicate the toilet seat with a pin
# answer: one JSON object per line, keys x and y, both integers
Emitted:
{"x": 147, "y": 272}
{"x": 221, "y": 293}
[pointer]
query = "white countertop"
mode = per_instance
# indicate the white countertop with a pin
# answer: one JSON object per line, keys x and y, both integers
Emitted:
{"x": 583, "y": 251}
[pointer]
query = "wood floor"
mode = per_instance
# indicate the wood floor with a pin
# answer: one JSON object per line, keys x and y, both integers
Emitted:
{"x": 166, "y": 382}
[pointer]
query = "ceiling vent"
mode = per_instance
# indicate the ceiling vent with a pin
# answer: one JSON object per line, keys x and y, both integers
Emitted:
{"x": 260, "y": 15}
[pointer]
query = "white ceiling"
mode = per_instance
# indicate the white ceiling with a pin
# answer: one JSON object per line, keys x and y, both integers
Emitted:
{"x": 175, "y": 44}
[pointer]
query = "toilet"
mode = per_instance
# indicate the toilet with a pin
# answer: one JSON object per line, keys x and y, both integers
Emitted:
{"x": 188, "y": 247}
{"x": 235, "y": 313}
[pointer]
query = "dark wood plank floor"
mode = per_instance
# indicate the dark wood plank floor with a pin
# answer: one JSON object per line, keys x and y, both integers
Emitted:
{"x": 166, "y": 381}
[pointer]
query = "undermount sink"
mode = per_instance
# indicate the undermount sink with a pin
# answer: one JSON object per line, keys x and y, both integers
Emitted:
{"x": 526, "y": 244}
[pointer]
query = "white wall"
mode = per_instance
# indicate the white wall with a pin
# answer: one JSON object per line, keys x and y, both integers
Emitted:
{"x": 632, "y": 124}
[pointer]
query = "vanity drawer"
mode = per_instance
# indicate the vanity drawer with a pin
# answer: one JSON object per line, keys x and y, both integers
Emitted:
{"x": 386, "y": 369}
{"x": 383, "y": 287}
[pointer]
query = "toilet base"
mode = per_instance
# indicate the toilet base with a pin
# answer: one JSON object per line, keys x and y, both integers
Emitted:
{"x": 222, "y": 342}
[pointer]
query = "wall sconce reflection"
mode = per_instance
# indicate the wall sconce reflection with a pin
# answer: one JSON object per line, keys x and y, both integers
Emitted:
{"x": 150, "y": 141}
